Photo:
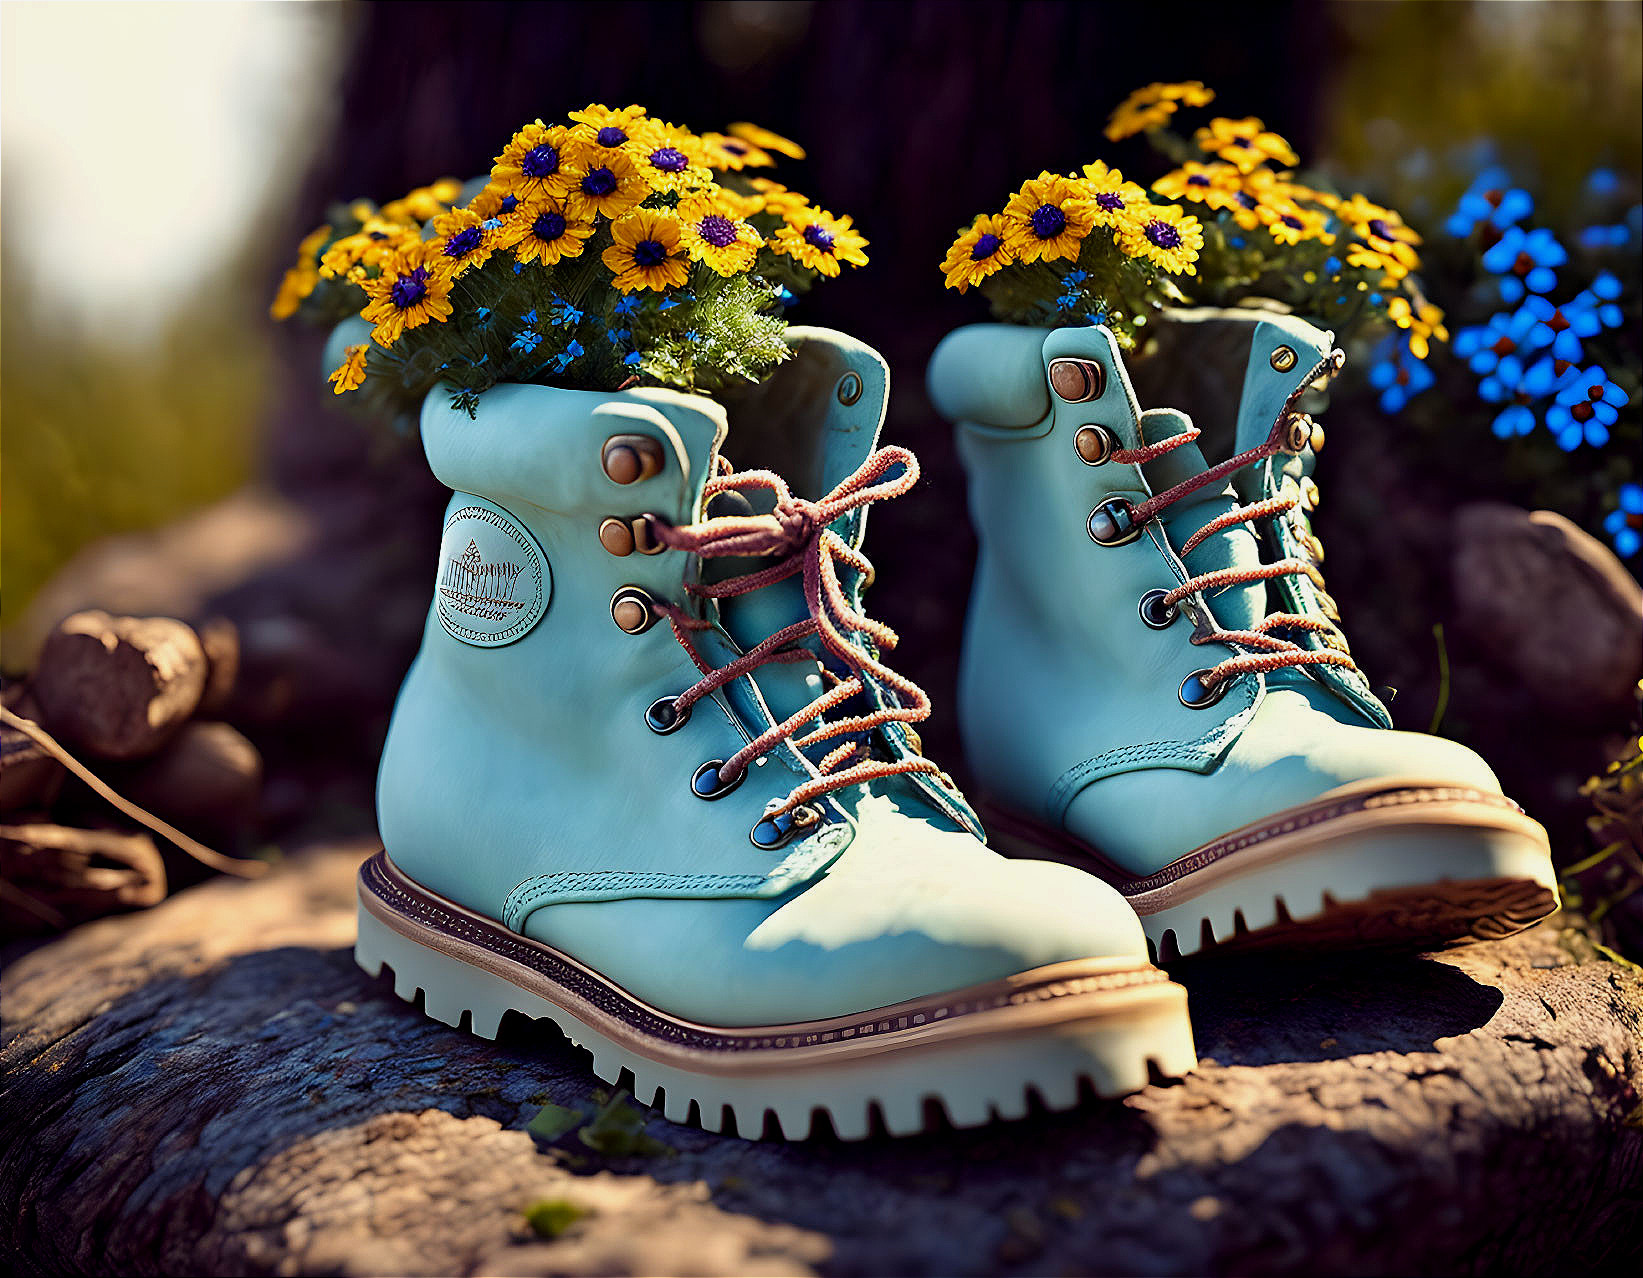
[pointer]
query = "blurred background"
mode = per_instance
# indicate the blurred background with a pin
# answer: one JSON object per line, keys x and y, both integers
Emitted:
{"x": 160, "y": 162}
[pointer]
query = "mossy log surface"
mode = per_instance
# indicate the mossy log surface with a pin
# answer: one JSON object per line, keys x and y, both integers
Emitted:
{"x": 212, "y": 1086}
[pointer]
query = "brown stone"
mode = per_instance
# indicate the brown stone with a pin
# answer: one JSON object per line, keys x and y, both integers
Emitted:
{"x": 52, "y": 876}
{"x": 206, "y": 781}
{"x": 1551, "y": 606}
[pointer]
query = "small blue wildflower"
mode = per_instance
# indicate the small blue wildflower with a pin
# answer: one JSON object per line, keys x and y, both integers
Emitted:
{"x": 568, "y": 356}
{"x": 1332, "y": 265}
{"x": 1601, "y": 237}
{"x": 564, "y": 314}
{"x": 786, "y": 296}
{"x": 618, "y": 336}
{"x": 529, "y": 316}
{"x": 1236, "y": 241}
{"x": 1562, "y": 327}
{"x": 691, "y": 335}
{"x": 669, "y": 302}
{"x": 1602, "y": 181}
{"x": 1397, "y": 374}
{"x": 1524, "y": 261}
{"x": 631, "y": 359}
{"x": 526, "y": 340}
{"x": 482, "y": 316}
{"x": 1490, "y": 199}
{"x": 1625, "y": 525}
{"x": 518, "y": 267}
{"x": 1072, "y": 279}
{"x": 1601, "y": 298}
{"x": 1098, "y": 316}
{"x": 492, "y": 223}
{"x": 627, "y": 304}
{"x": 1587, "y": 405}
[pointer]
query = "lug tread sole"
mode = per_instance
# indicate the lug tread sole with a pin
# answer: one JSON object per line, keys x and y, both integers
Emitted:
{"x": 901, "y": 1089}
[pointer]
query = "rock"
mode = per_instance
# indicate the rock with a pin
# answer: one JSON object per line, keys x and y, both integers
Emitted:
{"x": 52, "y": 876}
{"x": 212, "y": 1086}
{"x": 206, "y": 781}
{"x": 1551, "y": 606}
{"x": 118, "y": 687}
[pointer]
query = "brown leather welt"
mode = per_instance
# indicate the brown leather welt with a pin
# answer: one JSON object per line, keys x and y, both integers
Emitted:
{"x": 396, "y": 900}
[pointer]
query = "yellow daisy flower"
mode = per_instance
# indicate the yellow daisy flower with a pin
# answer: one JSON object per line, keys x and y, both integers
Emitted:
{"x": 352, "y": 372}
{"x": 648, "y": 251}
{"x": 1213, "y": 185}
{"x": 715, "y": 234}
{"x": 1362, "y": 255}
{"x": 494, "y": 201}
{"x": 1047, "y": 219}
{"x": 765, "y": 140}
{"x": 1246, "y": 144}
{"x": 1304, "y": 194}
{"x": 670, "y": 158}
{"x": 725, "y": 152}
{"x": 1113, "y": 200}
{"x": 775, "y": 198}
{"x": 1150, "y": 107}
{"x": 817, "y": 239}
{"x": 543, "y": 232}
{"x": 977, "y": 253}
{"x": 362, "y": 211}
{"x": 605, "y": 182}
{"x": 534, "y": 164}
{"x": 465, "y": 240}
{"x": 1384, "y": 233}
{"x": 411, "y": 291}
{"x": 606, "y": 127}
{"x": 299, "y": 282}
{"x": 1424, "y": 322}
{"x": 1290, "y": 223}
{"x": 423, "y": 204}
{"x": 367, "y": 248}
{"x": 1166, "y": 236}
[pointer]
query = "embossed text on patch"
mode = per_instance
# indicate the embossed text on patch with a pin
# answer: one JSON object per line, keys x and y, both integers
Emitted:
{"x": 493, "y": 582}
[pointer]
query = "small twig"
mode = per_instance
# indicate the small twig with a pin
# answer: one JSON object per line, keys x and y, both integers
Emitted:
{"x": 195, "y": 849}
{"x": 1443, "y": 680}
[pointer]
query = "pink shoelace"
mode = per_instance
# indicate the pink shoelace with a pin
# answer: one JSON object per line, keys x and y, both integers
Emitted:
{"x": 797, "y": 536}
{"x": 1274, "y": 653}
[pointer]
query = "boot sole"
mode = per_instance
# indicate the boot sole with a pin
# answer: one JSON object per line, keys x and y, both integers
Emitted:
{"x": 966, "y": 1057}
{"x": 1386, "y": 863}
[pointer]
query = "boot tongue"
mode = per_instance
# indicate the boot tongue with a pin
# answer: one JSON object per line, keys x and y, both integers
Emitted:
{"x": 814, "y": 422}
{"x": 1236, "y": 607}
{"x": 1283, "y": 352}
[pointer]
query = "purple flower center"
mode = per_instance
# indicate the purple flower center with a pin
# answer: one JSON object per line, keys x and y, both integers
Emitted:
{"x": 735, "y": 147}
{"x": 599, "y": 181}
{"x": 717, "y": 230}
{"x": 985, "y": 247}
{"x": 669, "y": 159}
{"x": 649, "y": 253}
{"x": 509, "y": 203}
{"x": 1246, "y": 199}
{"x": 1197, "y": 179}
{"x": 540, "y": 162}
{"x": 1290, "y": 220}
{"x": 1110, "y": 200}
{"x": 410, "y": 289}
{"x": 610, "y": 135}
{"x": 819, "y": 236}
{"x": 464, "y": 242}
{"x": 548, "y": 227}
{"x": 1163, "y": 235}
{"x": 1379, "y": 228}
{"x": 1048, "y": 221}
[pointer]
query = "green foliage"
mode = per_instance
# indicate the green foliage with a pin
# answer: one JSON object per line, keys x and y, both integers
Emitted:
{"x": 551, "y": 1217}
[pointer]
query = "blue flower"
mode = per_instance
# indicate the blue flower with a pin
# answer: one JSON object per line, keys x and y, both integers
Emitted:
{"x": 564, "y": 314}
{"x": 526, "y": 340}
{"x": 618, "y": 336}
{"x": 1524, "y": 261}
{"x": 1332, "y": 266}
{"x": 1600, "y": 237}
{"x": 1521, "y": 390}
{"x": 482, "y": 316}
{"x": 1562, "y": 327}
{"x": 691, "y": 335}
{"x": 626, "y": 305}
{"x": 1507, "y": 333}
{"x": 1397, "y": 374}
{"x": 631, "y": 359}
{"x": 1625, "y": 525}
{"x": 1491, "y": 198}
{"x": 1601, "y": 297}
{"x": 1587, "y": 405}
{"x": 1601, "y": 182}
{"x": 569, "y": 354}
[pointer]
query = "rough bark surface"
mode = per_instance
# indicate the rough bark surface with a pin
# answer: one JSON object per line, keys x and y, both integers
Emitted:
{"x": 212, "y": 1086}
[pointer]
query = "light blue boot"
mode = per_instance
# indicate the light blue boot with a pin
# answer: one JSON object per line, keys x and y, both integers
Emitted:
{"x": 1155, "y": 691}
{"x": 587, "y": 818}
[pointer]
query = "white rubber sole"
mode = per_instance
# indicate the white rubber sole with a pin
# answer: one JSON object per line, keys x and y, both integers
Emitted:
{"x": 969, "y": 1057}
{"x": 1388, "y": 863}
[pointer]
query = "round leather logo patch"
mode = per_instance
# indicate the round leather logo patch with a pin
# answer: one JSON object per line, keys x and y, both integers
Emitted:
{"x": 493, "y": 583}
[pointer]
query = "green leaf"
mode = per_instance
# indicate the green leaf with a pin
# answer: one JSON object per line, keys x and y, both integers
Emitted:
{"x": 618, "y": 1130}
{"x": 550, "y": 1217}
{"x": 553, "y": 1121}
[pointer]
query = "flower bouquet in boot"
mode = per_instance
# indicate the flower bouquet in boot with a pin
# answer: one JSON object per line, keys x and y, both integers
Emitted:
{"x": 651, "y": 775}
{"x": 1186, "y": 719}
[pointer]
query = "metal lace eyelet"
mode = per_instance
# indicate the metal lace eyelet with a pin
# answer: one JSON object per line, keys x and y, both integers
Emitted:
{"x": 1155, "y": 612}
{"x": 1284, "y": 358}
{"x": 706, "y": 784}
{"x": 1298, "y": 433}
{"x": 769, "y": 833}
{"x": 633, "y": 610}
{"x": 1094, "y": 444}
{"x": 1197, "y": 695}
{"x": 1112, "y": 523}
{"x": 1076, "y": 380}
{"x": 663, "y": 716}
